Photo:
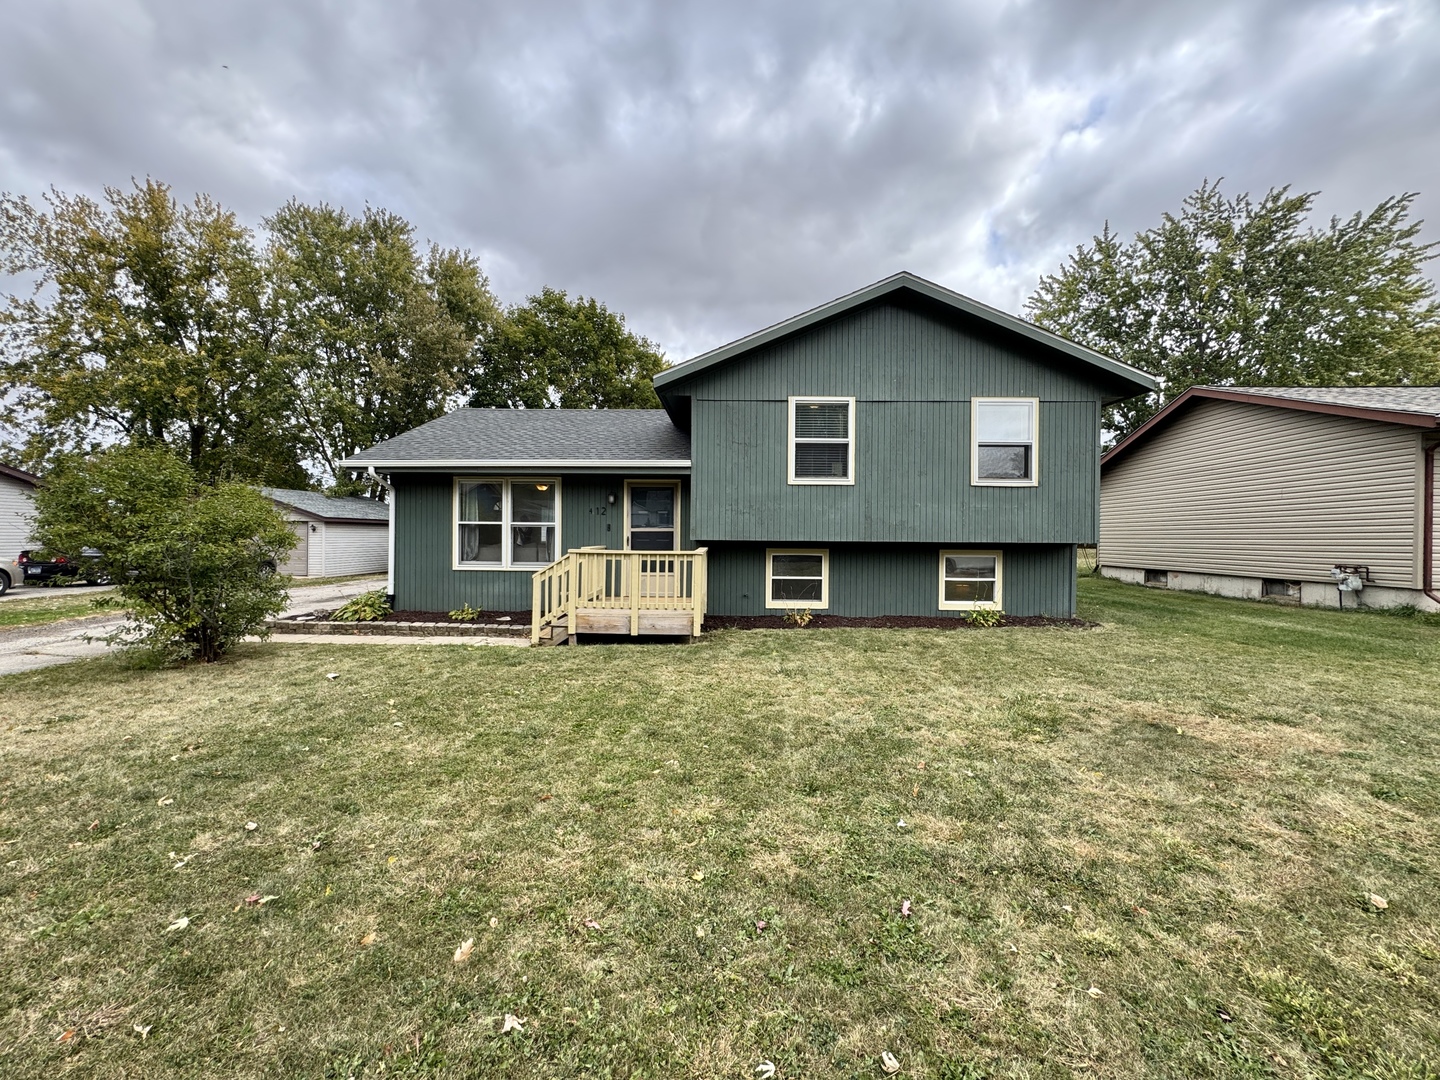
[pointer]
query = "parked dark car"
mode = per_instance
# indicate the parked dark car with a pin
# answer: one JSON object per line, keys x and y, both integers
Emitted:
{"x": 36, "y": 567}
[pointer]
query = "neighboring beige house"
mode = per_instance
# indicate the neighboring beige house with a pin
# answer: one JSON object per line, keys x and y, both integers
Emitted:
{"x": 1278, "y": 492}
{"x": 16, "y": 512}
{"x": 337, "y": 536}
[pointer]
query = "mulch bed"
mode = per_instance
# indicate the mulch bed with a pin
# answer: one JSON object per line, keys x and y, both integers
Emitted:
{"x": 895, "y": 622}
{"x": 484, "y": 618}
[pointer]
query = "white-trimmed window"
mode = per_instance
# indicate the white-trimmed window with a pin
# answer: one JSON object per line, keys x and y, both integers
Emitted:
{"x": 1005, "y": 441}
{"x": 822, "y": 440}
{"x": 971, "y": 579}
{"x": 797, "y": 579}
{"x": 506, "y": 524}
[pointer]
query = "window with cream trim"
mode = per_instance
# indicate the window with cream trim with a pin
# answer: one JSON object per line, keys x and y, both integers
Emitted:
{"x": 505, "y": 524}
{"x": 822, "y": 440}
{"x": 1003, "y": 442}
{"x": 970, "y": 580}
{"x": 797, "y": 579}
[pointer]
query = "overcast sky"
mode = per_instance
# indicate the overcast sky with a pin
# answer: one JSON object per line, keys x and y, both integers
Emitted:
{"x": 710, "y": 168}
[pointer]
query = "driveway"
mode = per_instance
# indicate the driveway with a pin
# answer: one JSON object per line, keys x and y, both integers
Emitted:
{"x": 27, "y": 648}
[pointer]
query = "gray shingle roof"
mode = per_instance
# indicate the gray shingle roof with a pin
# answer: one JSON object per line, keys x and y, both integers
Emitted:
{"x": 328, "y": 508}
{"x": 535, "y": 437}
{"x": 1416, "y": 399}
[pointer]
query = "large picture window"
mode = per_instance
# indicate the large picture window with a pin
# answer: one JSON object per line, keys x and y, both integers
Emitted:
{"x": 504, "y": 524}
{"x": 1004, "y": 441}
{"x": 822, "y": 440}
{"x": 797, "y": 579}
{"x": 970, "y": 580}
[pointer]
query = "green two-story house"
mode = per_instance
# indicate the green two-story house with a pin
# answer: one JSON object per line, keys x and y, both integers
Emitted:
{"x": 902, "y": 450}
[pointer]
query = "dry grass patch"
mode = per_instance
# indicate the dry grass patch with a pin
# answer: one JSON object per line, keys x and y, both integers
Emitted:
{"x": 1143, "y": 850}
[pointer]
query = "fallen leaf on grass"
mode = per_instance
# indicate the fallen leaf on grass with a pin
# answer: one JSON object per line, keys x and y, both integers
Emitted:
{"x": 179, "y": 924}
{"x": 165, "y": 801}
{"x": 251, "y": 826}
{"x": 1095, "y": 992}
{"x": 765, "y": 1070}
{"x": 512, "y": 1023}
{"x": 760, "y": 925}
{"x": 1224, "y": 1014}
{"x": 1379, "y": 903}
{"x": 333, "y": 675}
{"x": 591, "y": 924}
{"x": 546, "y": 798}
{"x": 901, "y": 824}
{"x": 69, "y": 1034}
{"x": 905, "y": 909}
{"x": 698, "y": 875}
{"x": 368, "y": 939}
{"x": 890, "y": 1063}
{"x": 494, "y": 922}
{"x": 699, "y": 931}
{"x": 143, "y": 1030}
{"x": 463, "y": 952}
{"x": 94, "y": 825}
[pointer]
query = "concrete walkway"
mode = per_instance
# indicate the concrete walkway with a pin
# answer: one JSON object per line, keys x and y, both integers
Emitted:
{"x": 28, "y": 648}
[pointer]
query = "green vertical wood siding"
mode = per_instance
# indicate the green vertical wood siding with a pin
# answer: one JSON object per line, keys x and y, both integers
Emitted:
{"x": 425, "y": 529}
{"x": 872, "y": 579}
{"x": 913, "y": 376}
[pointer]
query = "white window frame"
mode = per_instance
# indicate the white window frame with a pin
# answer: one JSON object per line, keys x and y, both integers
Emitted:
{"x": 823, "y": 602}
{"x": 975, "y": 478}
{"x": 972, "y": 605}
{"x": 506, "y": 522}
{"x": 831, "y": 481}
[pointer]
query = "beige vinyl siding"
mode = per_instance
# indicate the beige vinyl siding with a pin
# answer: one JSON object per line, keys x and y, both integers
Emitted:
{"x": 1257, "y": 491}
{"x": 16, "y": 512}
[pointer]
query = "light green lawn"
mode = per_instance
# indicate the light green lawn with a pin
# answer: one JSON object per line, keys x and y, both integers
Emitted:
{"x": 49, "y": 605}
{"x": 1140, "y": 850}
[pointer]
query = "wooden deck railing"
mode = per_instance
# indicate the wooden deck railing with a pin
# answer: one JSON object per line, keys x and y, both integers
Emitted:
{"x": 600, "y": 580}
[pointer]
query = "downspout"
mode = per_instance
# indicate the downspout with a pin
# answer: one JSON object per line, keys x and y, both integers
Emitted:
{"x": 1427, "y": 558}
{"x": 390, "y": 535}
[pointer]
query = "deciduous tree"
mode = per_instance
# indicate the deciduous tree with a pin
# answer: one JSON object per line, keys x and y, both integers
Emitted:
{"x": 1233, "y": 291}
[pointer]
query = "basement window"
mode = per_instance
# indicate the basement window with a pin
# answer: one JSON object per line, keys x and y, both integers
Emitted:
{"x": 1285, "y": 592}
{"x": 1157, "y": 579}
{"x": 970, "y": 580}
{"x": 822, "y": 440}
{"x": 797, "y": 579}
{"x": 506, "y": 524}
{"x": 1004, "y": 441}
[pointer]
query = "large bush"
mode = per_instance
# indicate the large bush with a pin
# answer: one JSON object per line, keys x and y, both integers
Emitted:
{"x": 195, "y": 563}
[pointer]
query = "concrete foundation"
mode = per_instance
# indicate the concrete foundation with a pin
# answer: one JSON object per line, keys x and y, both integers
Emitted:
{"x": 1312, "y": 593}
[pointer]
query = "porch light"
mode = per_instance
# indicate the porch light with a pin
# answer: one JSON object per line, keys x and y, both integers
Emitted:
{"x": 542, "y": 487}
{"x": 610, "y": 498}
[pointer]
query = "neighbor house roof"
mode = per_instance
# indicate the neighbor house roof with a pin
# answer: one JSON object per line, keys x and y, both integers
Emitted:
{"x": 1131, "y": 379}
{"x": 19, "y": 474}
{"x": 329, "y": 508}
{"x": 534, "y": 439}
{"x": 1412, "y": 406}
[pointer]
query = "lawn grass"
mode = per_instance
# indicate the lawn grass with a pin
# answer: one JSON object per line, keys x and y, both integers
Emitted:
{"x": 49, "y": 607}
{"x": 1140, "y": 850}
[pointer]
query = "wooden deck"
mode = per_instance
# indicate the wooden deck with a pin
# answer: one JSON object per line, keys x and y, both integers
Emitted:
{"x": 618, "y": 593}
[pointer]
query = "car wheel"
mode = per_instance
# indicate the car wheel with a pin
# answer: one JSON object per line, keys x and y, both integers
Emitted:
{"x": 4, "y": 582}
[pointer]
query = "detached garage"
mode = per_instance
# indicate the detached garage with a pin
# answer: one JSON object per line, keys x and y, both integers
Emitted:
{"x": 337, "y": 536}
{"x": 16, "y": 487}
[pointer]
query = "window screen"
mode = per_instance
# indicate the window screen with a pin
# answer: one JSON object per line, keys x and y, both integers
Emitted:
{"x": 1004, "y": 441}
{"x": 820, "y": 440}
{"x": 797, "y": 578}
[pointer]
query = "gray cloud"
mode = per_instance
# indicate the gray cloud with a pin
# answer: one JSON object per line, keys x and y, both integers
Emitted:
{"x": 709, "y": 168}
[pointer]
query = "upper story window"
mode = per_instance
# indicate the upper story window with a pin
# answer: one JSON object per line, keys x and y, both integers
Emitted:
{"x": 503, "y": 524}
{"x": 1004, "y": 441}
{"x": 822, "y": 440}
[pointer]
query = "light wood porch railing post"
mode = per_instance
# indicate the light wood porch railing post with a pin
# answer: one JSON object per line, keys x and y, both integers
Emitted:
{"x": 633, "y": 584}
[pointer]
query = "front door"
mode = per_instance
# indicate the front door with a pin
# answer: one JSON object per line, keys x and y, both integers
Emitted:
{"x": 652, "y": 517}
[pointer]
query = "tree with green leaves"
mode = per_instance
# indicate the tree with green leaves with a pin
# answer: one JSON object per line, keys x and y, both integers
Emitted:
{"x": 142, "y": 325}
{"x": 1233, "y": 291}
{"x": 194, "y": 562}
{"x": 554, "y": 352}
{"x": 377, "y": 337}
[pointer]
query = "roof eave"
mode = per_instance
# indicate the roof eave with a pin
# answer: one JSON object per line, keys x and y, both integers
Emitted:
{"x": 1141, "y": 381}
{"x": 1162, "y": 418}
{"x": 400, "y": 465}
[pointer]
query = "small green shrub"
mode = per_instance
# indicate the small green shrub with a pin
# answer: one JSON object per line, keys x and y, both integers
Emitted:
{"x": 985, "y": 617}
{"x": 466, "y": 613}
{"x": 367, "y": 607}
{"x": 798, "y": 617}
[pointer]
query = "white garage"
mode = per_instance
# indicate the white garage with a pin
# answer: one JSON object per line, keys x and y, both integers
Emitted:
{"x": 16, "y": 510}
{"x": 338, "y": 536}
